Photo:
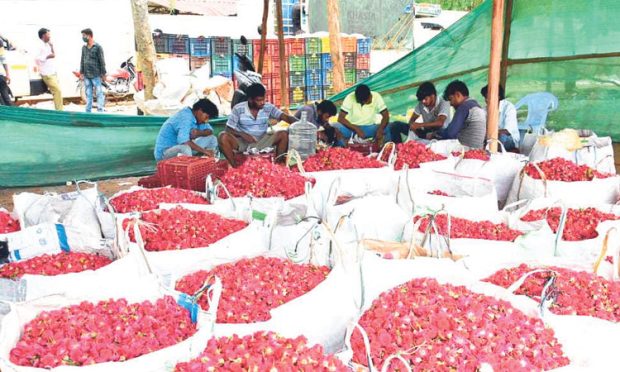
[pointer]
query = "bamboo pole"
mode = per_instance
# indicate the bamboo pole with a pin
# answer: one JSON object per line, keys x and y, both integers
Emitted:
{"x": 497, "y": 25}
{"x": 506, "y": 42}
{"x": 263, "y": 37}
{"x": 283, "y": 62}
{"x": 144, "y": 45}
{"x": 335, "y": 44}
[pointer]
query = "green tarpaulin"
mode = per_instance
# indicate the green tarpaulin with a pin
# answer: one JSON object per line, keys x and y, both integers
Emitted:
{"x": 570, "y": 48}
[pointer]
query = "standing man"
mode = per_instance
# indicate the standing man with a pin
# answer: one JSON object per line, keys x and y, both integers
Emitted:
{"x": 46, "y": 58}
{"x": 92, "y": 70}
{"x": 248, "y": 123}
{"x": 5, "y": 79}
{"x": 319, "y": 114}
{"x": 357, "y": 116}
{"x": 188, "y": 132}
{"x": 508, "y": 132}
{"x": 435, "y": 113}
{"x": 469, "y": 124}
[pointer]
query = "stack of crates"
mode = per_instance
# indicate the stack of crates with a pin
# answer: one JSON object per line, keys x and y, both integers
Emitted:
{"x": 161, "y": 43}
{"x": 199, "y": 52}
{"x": 327, "y": 77}
{"x": 221, "y": 57}
{"x": 314, "y": 80}
{"x": 296, "y": 54}
{"x": 271, "y": 69}
{"x": 349, "y": 54}
{"x": 363, "y": 59}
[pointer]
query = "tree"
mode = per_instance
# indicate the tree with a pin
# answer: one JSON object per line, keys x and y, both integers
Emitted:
{"x": 144, "y": 44}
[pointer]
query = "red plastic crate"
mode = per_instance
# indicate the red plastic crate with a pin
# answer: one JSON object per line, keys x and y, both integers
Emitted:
{"x": 188, "y": 172}
{"x": 295, "y": 47}
{"x": 150, "y": 182}
{"x": 271, "y": 48}
{"x": 363, "y": 62}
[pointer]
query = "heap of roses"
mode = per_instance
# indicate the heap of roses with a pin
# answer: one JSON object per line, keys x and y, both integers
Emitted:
{"x": 579, "y": 292}
{"x": 442, "y": 327}
{"x": 54, "y": 264}
{"x": 413, "y": 153}
{"x": 252, "y": 287}
{"x": 181, "y": 228}
{"x": 580, "y": 224}
{"x": 7, "y": 223}
{"x": 560, "y": 169}
{"x": 461, "y": 228}
{"x": 339, "y": 158}
{"x": 109, "y": 331}
{"x": 263, "y": 179}
{"x": 476, "y": 154}
{"x": 149, "y": 199}
{"x": 262, "y": 351}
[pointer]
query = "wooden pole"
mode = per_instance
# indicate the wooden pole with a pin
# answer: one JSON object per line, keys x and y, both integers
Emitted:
{"x": 335, "y": 45}
{"x": 283, "y": 61}
{"x": 263, "y": 37}
{"x": 145, "y": 45}
{"x": 497, "y": 25}
{"x": 506, "y": 42}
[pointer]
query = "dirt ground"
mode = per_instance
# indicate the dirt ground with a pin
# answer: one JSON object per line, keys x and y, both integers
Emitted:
{"x": 107, "y": 187}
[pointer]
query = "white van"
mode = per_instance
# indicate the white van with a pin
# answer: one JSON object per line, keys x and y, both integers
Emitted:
{"x": 25, "y": 78}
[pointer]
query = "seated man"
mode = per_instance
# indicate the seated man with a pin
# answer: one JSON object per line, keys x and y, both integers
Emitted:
{"x": 469, "y": 124}
{"x": 187, "y": 132}
{"x": 508, "y": 126}
{"x": 435, "y": 113}
{"x": 357, "y": 116}
{"x": 319, "y": 114}
{"x": 248, "y": 123}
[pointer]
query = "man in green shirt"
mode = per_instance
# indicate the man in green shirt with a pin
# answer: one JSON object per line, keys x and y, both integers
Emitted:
{"x": 358, "y": 115}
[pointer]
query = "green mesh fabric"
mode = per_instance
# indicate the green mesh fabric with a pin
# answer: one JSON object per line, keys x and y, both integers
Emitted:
{"x": 570, "y": 48}
{"x": 41, "y": 147}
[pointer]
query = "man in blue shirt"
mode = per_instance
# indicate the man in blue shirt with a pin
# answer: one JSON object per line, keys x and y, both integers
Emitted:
{"x": 187, "y": 132}
{"x": 248, "y": 123}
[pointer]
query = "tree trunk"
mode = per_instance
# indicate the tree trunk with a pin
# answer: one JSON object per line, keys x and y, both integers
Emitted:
{"x": 335, "y": 45}
{"x": 283, "y": 61}
{"x": 497, "y": 37}
{"x": 144, "y": 44}
{"x": 263, "y": 37}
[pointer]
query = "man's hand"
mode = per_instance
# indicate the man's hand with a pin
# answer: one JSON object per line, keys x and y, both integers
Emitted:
{"x": 430, "y": 136}
{"x": 248, "y": 137}
{"x": 360, "y": 133}
{"x": 8, "y": 79}
{"x": 379, "y": 138}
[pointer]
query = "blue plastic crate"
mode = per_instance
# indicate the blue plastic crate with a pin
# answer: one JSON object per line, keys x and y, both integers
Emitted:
{"x": 326, "y": 61}
{"x": 297, "y": 79}
{"x": 200, "y": 46}
{"x": 221, "y": 46}
{"x": 327, "y": 77}
{"x": 178, "y": 44}
{"x": 364, "y": 45}
{"x": 314, "y": 78}
{"x": 314, "y": 94}
{"x": 227, "y": 75}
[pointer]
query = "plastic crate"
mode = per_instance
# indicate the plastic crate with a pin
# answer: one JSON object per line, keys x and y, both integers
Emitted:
{"x": 313, "y": 61}
{"x": 178, "y": 44}
{"x": 325, "y": 44}
{"x": 314, "y": 78}
{"x": 200, "y": 46}
{"x": 327, "y": 77}
{"x": 314, "y": 94}
{"x": 349, "y": 44}
{"x": 362, "y": 74}
{"x": 297, "y": 63}
{"x": 150, "y": 182}
{"x": 297, "y": 79}
{"x": 297, "y": 95}
{"x": 271, "y": 48}
{"x": 221, "y": 47}
{"x": 364, "y": 45}
{"x": 349, "y": 60}
{"x": 295, "y": 47}
{"x": 221, "y": 64}
{"x": 313, "y": 45}
{"x": 326, "y": 61}
{"x": 246, "y": 49}
{"x": 350, "y": 76}
{"x": 189, "y": 172}
{"x": 197, "y": 62}
{"x": 363, "y": 62}
{"x": 161, "y": 43}
{"x": 328, "y": 91}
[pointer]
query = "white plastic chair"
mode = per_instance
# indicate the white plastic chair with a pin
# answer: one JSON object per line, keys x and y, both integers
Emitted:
{"x": 538, "y": 106}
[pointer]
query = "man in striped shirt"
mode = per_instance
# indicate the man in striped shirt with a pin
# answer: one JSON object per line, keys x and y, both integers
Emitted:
{"x": 248, "y": 123}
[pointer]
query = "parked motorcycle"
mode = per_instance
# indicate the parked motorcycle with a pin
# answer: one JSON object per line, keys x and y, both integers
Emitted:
{"x": 245, "y": 76}
{"x": 116, "y": 84}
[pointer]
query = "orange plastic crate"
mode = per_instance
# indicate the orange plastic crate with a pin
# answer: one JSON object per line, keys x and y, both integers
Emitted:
{"x": 189, "y": 172}
{"x": 295, "y": 47}
{"x": 349, "y": 44}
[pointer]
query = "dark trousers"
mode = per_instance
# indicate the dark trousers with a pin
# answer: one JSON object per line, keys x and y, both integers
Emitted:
{"x": 5, "y": 96}
{"x": 398, "y": 128}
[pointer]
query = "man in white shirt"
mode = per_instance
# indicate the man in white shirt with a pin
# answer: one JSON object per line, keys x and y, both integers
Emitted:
{"x": 46, "y": 58}
{"x": 508, "y": 133}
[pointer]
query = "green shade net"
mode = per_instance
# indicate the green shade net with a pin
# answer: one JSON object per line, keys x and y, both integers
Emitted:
{"x": 42, "y": 147}
{"x": 570, "y": 48}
